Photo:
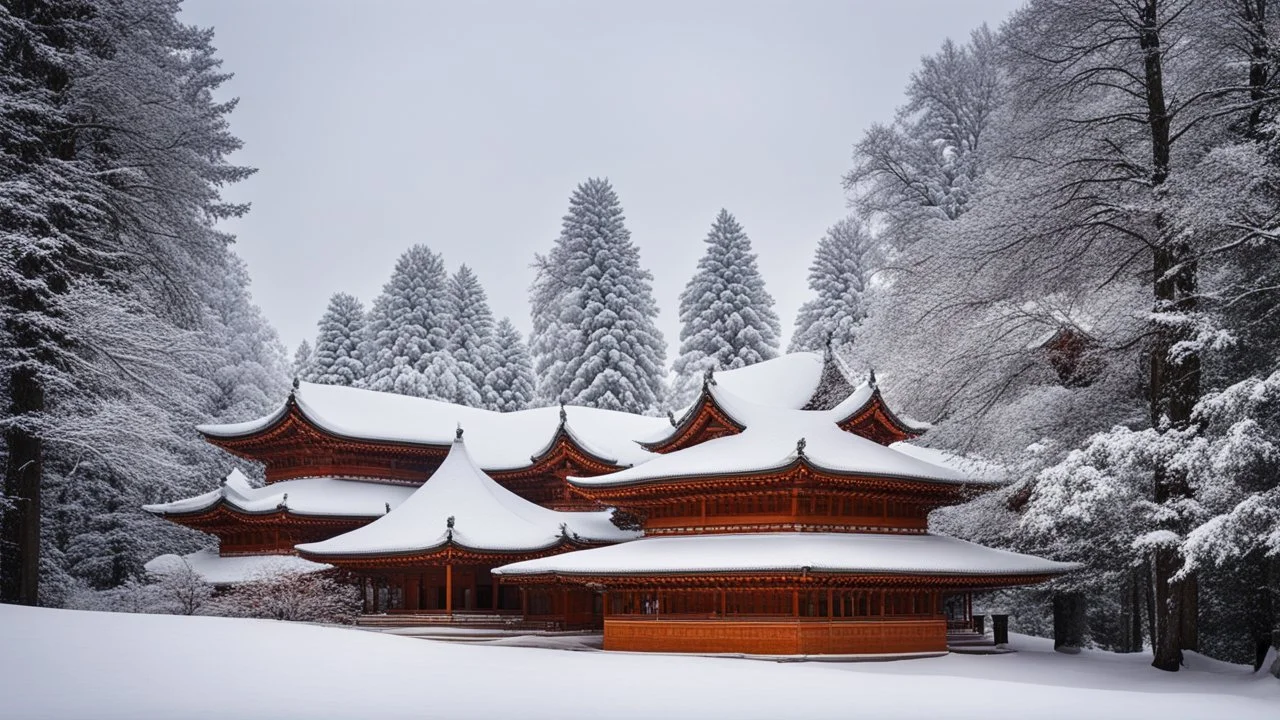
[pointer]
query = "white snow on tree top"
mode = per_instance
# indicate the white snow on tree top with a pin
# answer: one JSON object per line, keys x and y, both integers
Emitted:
{"x": 499, "y": 441}
{"x": 234, "y": 569}
{"x": 484, "y": 516}
{"x": 308, "y": 496}
{"x": 792, "y": 551}
{"x": 770, "y": 441}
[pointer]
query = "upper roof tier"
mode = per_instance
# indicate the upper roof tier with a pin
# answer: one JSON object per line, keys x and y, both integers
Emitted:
{"x": 859, "y": 409}
{"x": 791, "y": 552}
{"x": 499, "y": 441}
{"x": 461, "y": 506}
{"x": 773, "y": 439}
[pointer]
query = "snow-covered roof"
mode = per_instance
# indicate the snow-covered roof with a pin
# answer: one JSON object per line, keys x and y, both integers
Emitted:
{"x": 976, "y": 468}
{"x": 770, "y": 442}
{"x": 232, "y": 570}
{"x": 461, "y": 505}
{"x": 792, "y": 551}
{"x": 309, "y": 496}
{"x": 498, "y": 441}
{"x": 788, "y": 381}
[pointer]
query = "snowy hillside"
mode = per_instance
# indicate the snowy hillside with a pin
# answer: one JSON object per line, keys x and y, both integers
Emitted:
{"x": 96, "y": 665}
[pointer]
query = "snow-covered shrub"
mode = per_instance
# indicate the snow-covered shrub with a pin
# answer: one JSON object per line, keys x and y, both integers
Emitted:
{"x": 310, "y": 597}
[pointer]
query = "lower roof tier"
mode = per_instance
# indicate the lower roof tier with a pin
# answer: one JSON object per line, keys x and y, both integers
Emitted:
{"x": 321, "y": 496}
{"x": 222, "y": 570}
{"x": 790, "y": 552}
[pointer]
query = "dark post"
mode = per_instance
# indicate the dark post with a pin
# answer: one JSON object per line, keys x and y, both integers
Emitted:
{"x": 1000, "y": 629}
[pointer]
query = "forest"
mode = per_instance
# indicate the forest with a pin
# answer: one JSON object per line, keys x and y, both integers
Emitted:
{"x": 1062, "y": 251}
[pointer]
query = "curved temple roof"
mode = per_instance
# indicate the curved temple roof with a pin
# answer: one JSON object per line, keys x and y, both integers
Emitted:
{"x": 792, "y": 552}
{"x": 216, "y": 569}
{"x": 499, "y": 441}
{"x": 461, "y": 505}
{"x": 309, "y": 496}
{"x": 771, "y": 441}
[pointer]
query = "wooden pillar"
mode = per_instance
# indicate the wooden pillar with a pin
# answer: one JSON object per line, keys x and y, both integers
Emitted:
{"x": 831, "y": 609}
{"x": 524, "y": 603}
{"x": 795, "y": 601}
{"x": 724, "y": 612}
{"x": 411, "y": 593}
{"x": 493, "y": 581}
{"x": 448, "y": 588}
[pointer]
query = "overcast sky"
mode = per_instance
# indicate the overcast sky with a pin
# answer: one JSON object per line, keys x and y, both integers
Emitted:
{"x": 466, "y": 126}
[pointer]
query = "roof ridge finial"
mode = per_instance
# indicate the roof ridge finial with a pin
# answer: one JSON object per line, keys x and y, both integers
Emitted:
{"x": 871, "y": 378}
{"x": 671, "y": 417}
{"x": 388, "y": 506}
{"x": 296, "y": 383}
{"x": 448, "y": 529}
{"x": 564, "y": 416}
{"x": 800, "y": 445}
{"x": 284, "y": 502}
{"x": 457, "y": 434}
{"x": 708, "y": 377}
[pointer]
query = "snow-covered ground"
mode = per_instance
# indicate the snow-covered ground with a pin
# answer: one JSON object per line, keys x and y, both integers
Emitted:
{"x": 82, "y": 665}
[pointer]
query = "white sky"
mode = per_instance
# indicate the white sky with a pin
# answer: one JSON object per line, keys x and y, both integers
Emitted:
{"x": 465, "y": 126}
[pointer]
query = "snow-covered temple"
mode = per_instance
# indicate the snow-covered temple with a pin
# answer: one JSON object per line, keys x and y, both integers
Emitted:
{"x": 784, "y": 513}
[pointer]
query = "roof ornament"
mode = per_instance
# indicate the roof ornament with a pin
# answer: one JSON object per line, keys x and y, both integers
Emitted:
{"x": 800, "y": 445}
{"x": 448, "y": 529}
{"x": 388, "y": 505}
{"x": 284, "y": 502}
{"x": 564, "y": 416}
{"x": 671, "y": 417}
{"x": 295, "y": 382}
{"x": 564, "y": 531}
{"x": 457, "y": 434}
{"x": 871, "y": 378}
{"x": 708, "y": 378}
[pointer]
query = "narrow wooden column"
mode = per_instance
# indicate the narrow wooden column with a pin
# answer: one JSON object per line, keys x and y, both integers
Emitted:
{"x": 493, "y": 582}
{"x": 448, "y": 588}
{"x": 795, "y": 603}
{"x": 724, "y": 603}
{"x": 524, "y": 603}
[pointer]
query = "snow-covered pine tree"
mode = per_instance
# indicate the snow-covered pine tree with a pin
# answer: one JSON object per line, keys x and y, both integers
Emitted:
{"x": 112, "y": 147}
{"x": 338, "y": 360}
{"x": 594, "y": 338}
{"x": 301, "y": 366}
{"x": 839, "y": 274}
{"x": 471, "y": 338}
{"x": 727, "y": 316}
{"x": 509, "y": 385}
{"x": 408, "y": 329}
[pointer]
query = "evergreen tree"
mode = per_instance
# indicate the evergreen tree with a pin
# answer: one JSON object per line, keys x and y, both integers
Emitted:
{"x": 594, "y": 338}
{"x": 471, "y": 341}
{"x": 728, "y": 318}
{"x": 838, "y": 276}
{"x": 408, "y": 328}
{"x": 509, "y": 385}
{"x": 301, "y": 366}
{"x": 338, "y": 360}
{"x": 112, "y": 151}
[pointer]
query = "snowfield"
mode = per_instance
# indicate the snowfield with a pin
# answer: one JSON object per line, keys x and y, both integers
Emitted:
{"x": 82, "y": 665}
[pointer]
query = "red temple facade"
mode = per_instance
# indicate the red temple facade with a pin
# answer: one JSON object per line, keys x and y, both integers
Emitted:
{"x": 773, "y": 517}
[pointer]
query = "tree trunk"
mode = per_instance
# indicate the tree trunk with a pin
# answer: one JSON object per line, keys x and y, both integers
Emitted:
{"x": 1131, "y": 612}
{"x": 1175, "y": 380}
{"x": 1068, "y": 621}
{"x": 20, "y": 529}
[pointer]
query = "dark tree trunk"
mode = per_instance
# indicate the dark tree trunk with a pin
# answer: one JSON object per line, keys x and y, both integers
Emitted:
{"x": 1068, "y": 621}
{"x": 1131, "y": 612}
{"x": 1175, "y": 382}
{"x": 20, "y": 530}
